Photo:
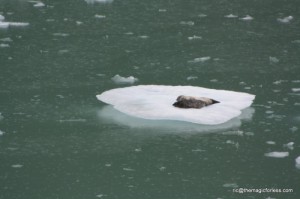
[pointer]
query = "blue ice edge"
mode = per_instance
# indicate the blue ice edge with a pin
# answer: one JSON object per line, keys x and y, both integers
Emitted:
{"x": 109, "y": 114}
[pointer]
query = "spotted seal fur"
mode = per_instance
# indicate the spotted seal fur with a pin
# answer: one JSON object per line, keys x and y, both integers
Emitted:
{"x": 183, "y": 101}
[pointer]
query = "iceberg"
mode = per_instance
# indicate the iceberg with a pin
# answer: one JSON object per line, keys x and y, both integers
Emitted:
{"x": 154, "y": 102}
{"x": 124, "y": 80}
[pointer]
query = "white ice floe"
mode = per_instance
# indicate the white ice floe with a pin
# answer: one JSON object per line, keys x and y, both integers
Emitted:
{"x": 297, "y": 161}
{"x": 12, "y": 24}
{"x": 231, "y": 16}
{"x": 296, "y": 89}
{"x": 108, "y": 114}
{"x": 191, "y": 78}
{"x": 285, "y": 19}
{"x": 289, "y": 145}
{"x": 247, "y": 18}
{"x": 199, "y": 59}
{"x": 2, "y": 133}
{"x": 123, "y": 80}
{"x": 100, "y": 16}
{"x": 39, "y": 4}
{"x": 6, "y": 39}
{"x": 273, "y": 59}
{"x": 155, "y": 102}
{"x": 276, "y": 154}
{"x": 2, "y": 18}
{"x": 271, "y": 142}
{"x": 98, "y": 1}
{"x": 189, "y": 23}
{"x": 17, "y": 166}
{"x": 195, "y": 37}
{"x": 4, "y": 45}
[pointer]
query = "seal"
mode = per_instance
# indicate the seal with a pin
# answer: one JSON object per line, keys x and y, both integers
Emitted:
{"x": 183, "y": 101}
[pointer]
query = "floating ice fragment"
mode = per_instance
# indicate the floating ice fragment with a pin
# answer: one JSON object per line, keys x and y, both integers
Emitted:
{"x": 4, "y": 24}
{"x": 189, "y": 23}
{"x": 273, "y": 59}
{"x": 247, "y": 18}
{"x": 285, "y": 19}
{"x": 73, "y": 120}
{"x": 100, "y": 16}
{"x": 191, "y": 78}
{"x": 18, "y": 24}
{"x": 1, "y": 133}
{"x": 297, "y": 160}
{"x": 124, "y": 80}
{"x": 162, "y": 10}
{"x": 59, "y": 34}
{"x": 154, "y": 102}
{"x": 39, "y": 5}
{"x": 128, "y": 169}
{"x": 1, "y": 116}
{"x": 200, "y": 59}
{"x": 194, "y": 37}
{"x": 143, "y": 36}
{"x": 230, "y": 185}
{"x": 276, "y": 154}
{"x": 289, "y": 145}
{"x": 4, "y": 45}
{"x": 2, "y": 18}
{"x": 6, "y": 39}
{"x": 231, "y": 16}
{"x": 202, "y": 15}
{"x": 98, "y": 1}
{"x": 271, "y": 142}
{"x": 17, "y": 166}
{"x": 79, "y": 22}
{"x": 296, "y": 89}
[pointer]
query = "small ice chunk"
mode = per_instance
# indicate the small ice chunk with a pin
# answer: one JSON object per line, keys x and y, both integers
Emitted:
{"x": 2, "y": 133}
{"x": 277, "y": 154}
{"x": 294, "y": 129}
{"x": 202, "y": 15}
{"x": 143, "y": 36}
{"x": 230, "y": 185}
{"x": 289, "y": 145}
{"x": 191, "y": 78}
{"x": 200, "y": 59}
{"x": 162, "y": 10}
{"x": 285, "y": 19}
{"x": 100, "y": 16}
{"x": 195, "y": 37}
{"x": 73, "y": 120}
{"x": 1, "y": 116}
{"x": 39, "y": 5}
{"x": 273, "y": 59}
{"x": 6, "y": 39}
{"x": 154, "y": 102}
{"x": 271, "y": 142}
{"x": 296, "y": 89}
{"x": 124, "y": 80}
{"x": 189, "y": 23}
{"x": 79, "y": 23}
{"x": 98, "y": 1}
{"x": 59, "y": 34}
{"x": 231, "y": 16}
{"x": 297, "y": 160}
{"x": 2, "y": 18}
{"x": 4, "y": 45}
{"x": 18, "y": 24}
{"x": 128, "y": 169}
{"x": 247, "y": 18}
{"x": 4, "y": 24}
{"x": 17, "y": 166}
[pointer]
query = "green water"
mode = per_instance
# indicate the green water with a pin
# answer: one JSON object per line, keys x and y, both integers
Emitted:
{"x": 55, "y": 144}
